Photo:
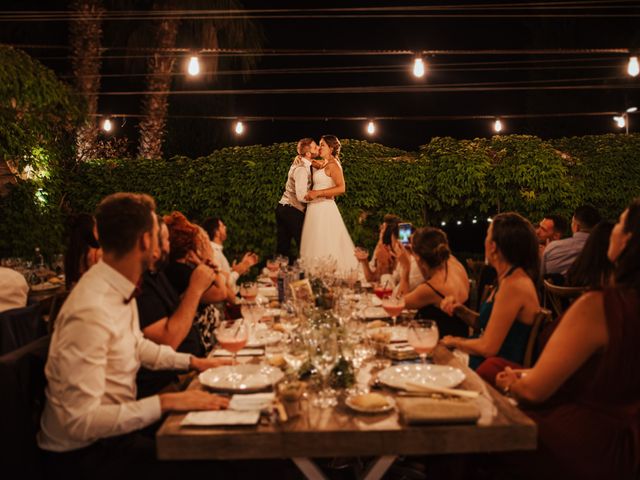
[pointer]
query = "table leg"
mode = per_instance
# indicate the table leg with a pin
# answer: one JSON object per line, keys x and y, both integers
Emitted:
{"x": 310, "y": 470}
{"x": 378, "y": 467}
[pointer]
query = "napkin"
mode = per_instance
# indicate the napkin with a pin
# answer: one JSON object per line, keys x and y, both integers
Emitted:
{"x": 221, "y": 417}
{"x": 245, "y": 352}
{"x": 268, "y": 291}
{"x": 434, "y": 410}
{"x": 253, "y": 401}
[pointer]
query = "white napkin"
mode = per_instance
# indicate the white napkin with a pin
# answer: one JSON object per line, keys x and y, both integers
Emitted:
{"x": 252, "y": 401}
{"x": 245, "y": 352}
{"x": 221, "y": 417}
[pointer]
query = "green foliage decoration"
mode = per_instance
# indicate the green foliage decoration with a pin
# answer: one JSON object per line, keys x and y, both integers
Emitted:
{"x": 445, "y": 179}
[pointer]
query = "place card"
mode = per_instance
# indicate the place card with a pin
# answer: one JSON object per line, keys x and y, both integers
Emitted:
{"x": 220, "y": 417}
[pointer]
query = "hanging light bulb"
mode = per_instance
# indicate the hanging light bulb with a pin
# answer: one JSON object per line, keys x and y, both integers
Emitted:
{"x": 194, "y": 66}
{"x": 632, "y": 109}
{"x": 633, "y": 68}
{"x": 620, "y": 121}
{"x": 418, "y": 67}
{"x": 239, "y": 128}
{"x": 497, "y": 126}
{"x": 371, "y": 128}
{"x": 107, "y": 126}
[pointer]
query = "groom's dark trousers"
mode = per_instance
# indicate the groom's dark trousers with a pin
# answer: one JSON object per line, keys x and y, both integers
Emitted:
{"x": 289, "y": 221}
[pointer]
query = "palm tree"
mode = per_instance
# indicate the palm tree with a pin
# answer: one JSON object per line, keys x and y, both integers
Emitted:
{"x": 171, "y": 33}
{"x": 85, "y": 39}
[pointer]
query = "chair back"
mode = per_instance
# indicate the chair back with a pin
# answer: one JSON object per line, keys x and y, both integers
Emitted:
{"x": 23, "y": 383}
{"x": 543, "y": 317}
{"x": 20, "y": 326}
{"x": 560, "y": 297}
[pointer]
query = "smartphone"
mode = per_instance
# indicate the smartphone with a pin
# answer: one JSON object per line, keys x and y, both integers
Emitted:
{"x": 404, "y": 233}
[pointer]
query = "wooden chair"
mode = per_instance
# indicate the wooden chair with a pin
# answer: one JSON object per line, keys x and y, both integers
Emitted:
{"x": 543, "y": 317}
{"x": 559, "y": 297}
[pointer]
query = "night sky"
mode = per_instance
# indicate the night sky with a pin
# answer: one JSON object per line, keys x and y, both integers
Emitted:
{"x": 200, "y": 136}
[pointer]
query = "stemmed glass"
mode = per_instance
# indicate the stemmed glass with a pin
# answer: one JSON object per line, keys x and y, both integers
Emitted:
{"x": 232, "y": 336}
{"x": 324, "y": 356}
{"x": 273, "y": 267}
{"x": 295, "y": 353}
{"x": 423, "y": 337}
{"x": 249, "y": 291}
{"x": 393, "y": 306}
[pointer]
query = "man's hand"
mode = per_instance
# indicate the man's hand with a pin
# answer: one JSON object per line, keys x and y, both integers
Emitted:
{"x": 312, "y": 195}
{"x": 202, "y": 364}
{"x": 319, "y": 163}
{"x": 202, "y": 278}
{"x": 192, "y": 400}
{"x": 248, "y": 260}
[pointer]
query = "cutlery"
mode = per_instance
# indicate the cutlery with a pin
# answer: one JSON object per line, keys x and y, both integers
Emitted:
{"x": 447, "y": 391}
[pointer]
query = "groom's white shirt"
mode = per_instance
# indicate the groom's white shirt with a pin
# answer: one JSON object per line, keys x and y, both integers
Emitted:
{"x": 297, "y": 184}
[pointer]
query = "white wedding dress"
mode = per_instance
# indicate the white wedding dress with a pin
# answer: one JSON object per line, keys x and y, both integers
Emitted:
{"x": 324, "y": 234}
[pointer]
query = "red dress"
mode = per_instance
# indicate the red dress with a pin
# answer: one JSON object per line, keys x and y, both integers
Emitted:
{"x": 590, "y": 428}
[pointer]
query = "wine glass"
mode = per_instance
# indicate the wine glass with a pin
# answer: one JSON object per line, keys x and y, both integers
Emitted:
{"x": 296, "y": 353}
{"x": 324, "y": 356}
{"x": 393, "y": 305}
{"x": 249, "y": 291}
{"x": 423, "y": 337}
{"x": 232, "y": 335}
{"x": 273, "y": 267}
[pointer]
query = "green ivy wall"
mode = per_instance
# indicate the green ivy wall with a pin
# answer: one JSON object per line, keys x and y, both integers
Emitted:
{"x": 445, "y": 179}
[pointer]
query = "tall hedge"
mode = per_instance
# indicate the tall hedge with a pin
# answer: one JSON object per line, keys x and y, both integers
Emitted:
{"x": 445, "y": 179}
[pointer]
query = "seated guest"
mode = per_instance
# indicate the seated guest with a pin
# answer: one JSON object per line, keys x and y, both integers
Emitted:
{"x": 560, "y": 254}
{"x": 592, "y": 268}
{"x": 14, "y": 289}
{"x": 190, "y": 247}
{"x": 217, "y": 232}
{"x": 445, "y": 277}
{"x": 165, "y": 318}
{"x": 550, "y": 228}
{"x": 584, "y": 391}
{"x": 91, "y": 416}
{"x": 505, "y": 320}
{"x": 83, "y": 250}
{"x": 384, "y": 260}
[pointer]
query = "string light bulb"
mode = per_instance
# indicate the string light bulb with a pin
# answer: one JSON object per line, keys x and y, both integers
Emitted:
{"x": 194, "y": 66}
{"x": 632, "y": 109}
{"x": 371, "y": 128}
{"x": 107, "y": 126}
{"x": 633, "y": 68}
{"x": 418, "y": 68}
{"x": 239, "y": 128}
{"x": 497, "y": 126}
{"x": 620, "y": 121}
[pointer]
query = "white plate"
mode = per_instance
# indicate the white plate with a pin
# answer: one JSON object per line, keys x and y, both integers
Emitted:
{"x": 241, "y": 378}
{"x": 438, "y": 375}
{"x": 262, "y": 337}
{"x": 42, "y": 287}
{"x": 398, "y": 334}
{"x": 389, "y": 406}
{"x": 372, "y": 313}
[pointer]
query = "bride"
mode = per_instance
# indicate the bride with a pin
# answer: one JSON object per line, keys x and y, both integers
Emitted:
{"x": 324, "y": 234}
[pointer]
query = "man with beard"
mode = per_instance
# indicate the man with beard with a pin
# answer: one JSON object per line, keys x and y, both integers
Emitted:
{"x": 165, "y": 318}
{"x": 91, "y": 424}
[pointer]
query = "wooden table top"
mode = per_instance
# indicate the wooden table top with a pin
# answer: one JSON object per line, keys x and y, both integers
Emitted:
{"x": 340, "y": 432}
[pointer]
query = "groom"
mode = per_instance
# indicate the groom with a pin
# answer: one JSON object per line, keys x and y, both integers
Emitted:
{"x": 292, "y": 205}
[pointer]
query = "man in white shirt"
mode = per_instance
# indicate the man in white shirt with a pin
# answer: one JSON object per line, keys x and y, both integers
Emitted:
{"x": 14, "y": 289}
{"x": 217, "y": 231}
{"x": 97, "y": 349}
{"x": 291, "y": 208}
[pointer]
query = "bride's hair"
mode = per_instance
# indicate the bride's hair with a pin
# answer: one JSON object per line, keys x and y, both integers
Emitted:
{"x": 333, "y": 143}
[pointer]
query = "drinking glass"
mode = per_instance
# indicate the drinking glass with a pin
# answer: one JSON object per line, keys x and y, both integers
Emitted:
{"x": 249, "y": 291}
{"x": 393, "y": 306}
{"x": 296, "y": 353}
{"x": 324, "y": 357}
{"x": 232, "y": 335}
{"x": 423, "y": 337}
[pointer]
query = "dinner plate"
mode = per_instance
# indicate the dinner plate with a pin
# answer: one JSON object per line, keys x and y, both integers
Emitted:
{"x": 388, "y": 407}
{"x": 439, "y": 375}
{"x": 241, "y": 378}
{"x": 261, "y": 337}
{"x": 373, "y": 313}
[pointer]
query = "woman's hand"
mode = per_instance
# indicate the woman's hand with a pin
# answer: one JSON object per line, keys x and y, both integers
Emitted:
{"x": 451, "y": 342}
{"x": 505, "y": 379}
{"x": 312, "y": 195}
{"x": 361, "y": 254}
{"x": 401, "y": 255}
{"x": 449, "y": 304}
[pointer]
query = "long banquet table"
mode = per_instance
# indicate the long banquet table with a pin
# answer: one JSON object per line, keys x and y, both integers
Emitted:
{"x": 338, "y": 432}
